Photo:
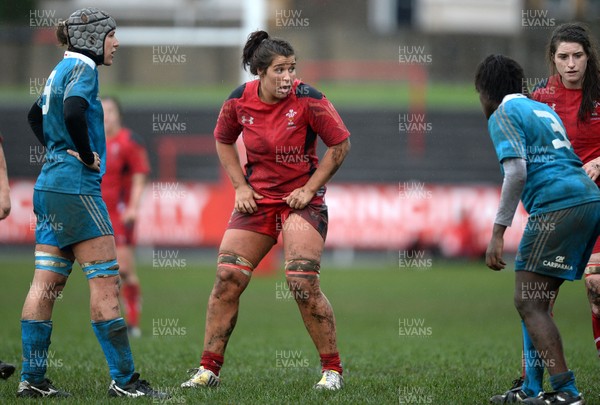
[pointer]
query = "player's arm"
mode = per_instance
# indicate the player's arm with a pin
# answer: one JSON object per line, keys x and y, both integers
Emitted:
{"x": 36, "y": 122}
{"x": 245, "y": 196}
{"x": 4, "y": 186}
{"x": 137, "y": 159}
{"x": 76, "y": 123}
{"x": 138, "y": 182}
{"x": 329, "y": 165}
{"x": 515, "y": 176}
{"x": 226, "y": 134}
{"x": 326, "y": 122}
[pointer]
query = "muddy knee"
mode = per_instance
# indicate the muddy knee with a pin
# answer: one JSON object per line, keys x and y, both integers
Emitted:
{"x": 302, "y": 276}
{"x": 233, "y": 275}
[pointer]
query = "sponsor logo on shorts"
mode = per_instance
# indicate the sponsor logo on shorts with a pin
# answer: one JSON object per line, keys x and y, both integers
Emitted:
{"x": 558, "y": 263}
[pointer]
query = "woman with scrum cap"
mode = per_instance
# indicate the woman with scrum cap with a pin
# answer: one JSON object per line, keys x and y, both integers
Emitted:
{"x": 72, "y": 220}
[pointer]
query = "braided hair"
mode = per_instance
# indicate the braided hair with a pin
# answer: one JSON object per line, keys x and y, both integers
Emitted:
{"x": 497, "y": 75}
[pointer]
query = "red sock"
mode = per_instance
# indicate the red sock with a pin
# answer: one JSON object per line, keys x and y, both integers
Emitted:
{"x": 596, "y": 330}
{"x": 131, "y": 296}
{"x": 212, "y": 361}
{"x": 331, "y": 362}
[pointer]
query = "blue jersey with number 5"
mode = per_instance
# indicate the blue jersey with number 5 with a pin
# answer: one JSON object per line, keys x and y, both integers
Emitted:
{"x": 526, "y": 129}
{"x": 76, "y": 75}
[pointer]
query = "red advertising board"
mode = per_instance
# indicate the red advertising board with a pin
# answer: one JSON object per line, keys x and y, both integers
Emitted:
{"x": 457, "y": 220}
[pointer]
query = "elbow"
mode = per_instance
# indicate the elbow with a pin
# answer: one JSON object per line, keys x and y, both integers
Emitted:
{"x": 342, "y": 149}
{"x": 74, "y": 111}
{"x": 346, "y": 148}
{"x": 71, "y": 118}
{"x": 339, "y": 152}
{"x": 521, "y": 178}
{"x": 522, "y": 184}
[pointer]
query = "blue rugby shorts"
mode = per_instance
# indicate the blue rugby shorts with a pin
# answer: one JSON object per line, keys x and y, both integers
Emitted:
{"x": 559, "y": 243}
{"x": 65, "y": 219}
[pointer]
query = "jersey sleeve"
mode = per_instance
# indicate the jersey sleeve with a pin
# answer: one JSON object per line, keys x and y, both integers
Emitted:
{"x": 326, "y": 121}
{"x": 507, "y": 134}
{"x": 228, "y": 128}
{"x": 81, "y": 82}
{"x": 137, "y": 156}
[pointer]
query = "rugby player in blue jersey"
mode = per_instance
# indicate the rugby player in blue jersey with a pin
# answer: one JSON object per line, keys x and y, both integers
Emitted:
{"x": 541, "y": 169}
{"x": 72, "y": 219}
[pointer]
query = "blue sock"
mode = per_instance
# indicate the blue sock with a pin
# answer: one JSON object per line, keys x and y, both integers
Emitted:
{"x": 534, "y": 366}
{"x": 564, "y": 382}
{"x": 113, "y": 339}
{"x": 35, "y": 339}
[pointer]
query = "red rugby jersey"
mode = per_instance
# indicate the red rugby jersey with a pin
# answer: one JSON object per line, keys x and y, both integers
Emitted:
{"x": 125, "y": 156}
{"x": 280, "y": 138}
{"x": 584, "y": 136}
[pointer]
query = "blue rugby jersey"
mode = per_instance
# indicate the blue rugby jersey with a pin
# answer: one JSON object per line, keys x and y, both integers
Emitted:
{"x": 75, "y": 75}
{"x": 524, "y": 128}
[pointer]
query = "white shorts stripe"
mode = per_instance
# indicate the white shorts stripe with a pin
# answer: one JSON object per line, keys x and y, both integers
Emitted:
{"x": 537, "y": 250}
{"x": 92, "y": 209}
{"x": 105, "y": 226}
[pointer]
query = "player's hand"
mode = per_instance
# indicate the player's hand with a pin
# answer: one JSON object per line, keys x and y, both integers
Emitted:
{"x": 94, "y": 166}
{"x": 4, "y": 204}
{"x": 245, "y": 199}
{"x": 299, "y": 198}
{"x": 129, "y": 216}
{"x": 592, "y": 168}
{"x": 493, "y": 254}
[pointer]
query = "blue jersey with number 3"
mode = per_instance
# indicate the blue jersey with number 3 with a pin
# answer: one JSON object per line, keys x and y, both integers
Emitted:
{"x": 526, "y": 129}
{"x": 76, "y": 75}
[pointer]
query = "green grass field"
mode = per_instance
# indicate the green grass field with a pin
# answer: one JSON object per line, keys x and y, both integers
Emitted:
{"x": 466, "y": 346}
{"x": 384, "y": 95}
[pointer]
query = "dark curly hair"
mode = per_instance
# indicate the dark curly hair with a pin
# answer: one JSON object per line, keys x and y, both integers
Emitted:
{"x": 497, "y": 75}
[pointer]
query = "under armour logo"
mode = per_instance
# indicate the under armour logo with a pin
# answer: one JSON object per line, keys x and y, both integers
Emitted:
{"x": 247, "y": 120}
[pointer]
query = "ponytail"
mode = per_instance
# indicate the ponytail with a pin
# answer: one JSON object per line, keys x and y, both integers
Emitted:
{"x": 261, "y": 49}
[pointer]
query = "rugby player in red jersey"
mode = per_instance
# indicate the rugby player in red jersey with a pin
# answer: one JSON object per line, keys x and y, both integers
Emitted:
{"x": 122, "y": 187}
{"x": 573, "y": 92}
{"x": 281, "y": 191}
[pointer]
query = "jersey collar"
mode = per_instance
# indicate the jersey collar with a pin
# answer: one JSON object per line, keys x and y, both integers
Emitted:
{"x": 77, "y": 55}
{"x": 509, "y": 97}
